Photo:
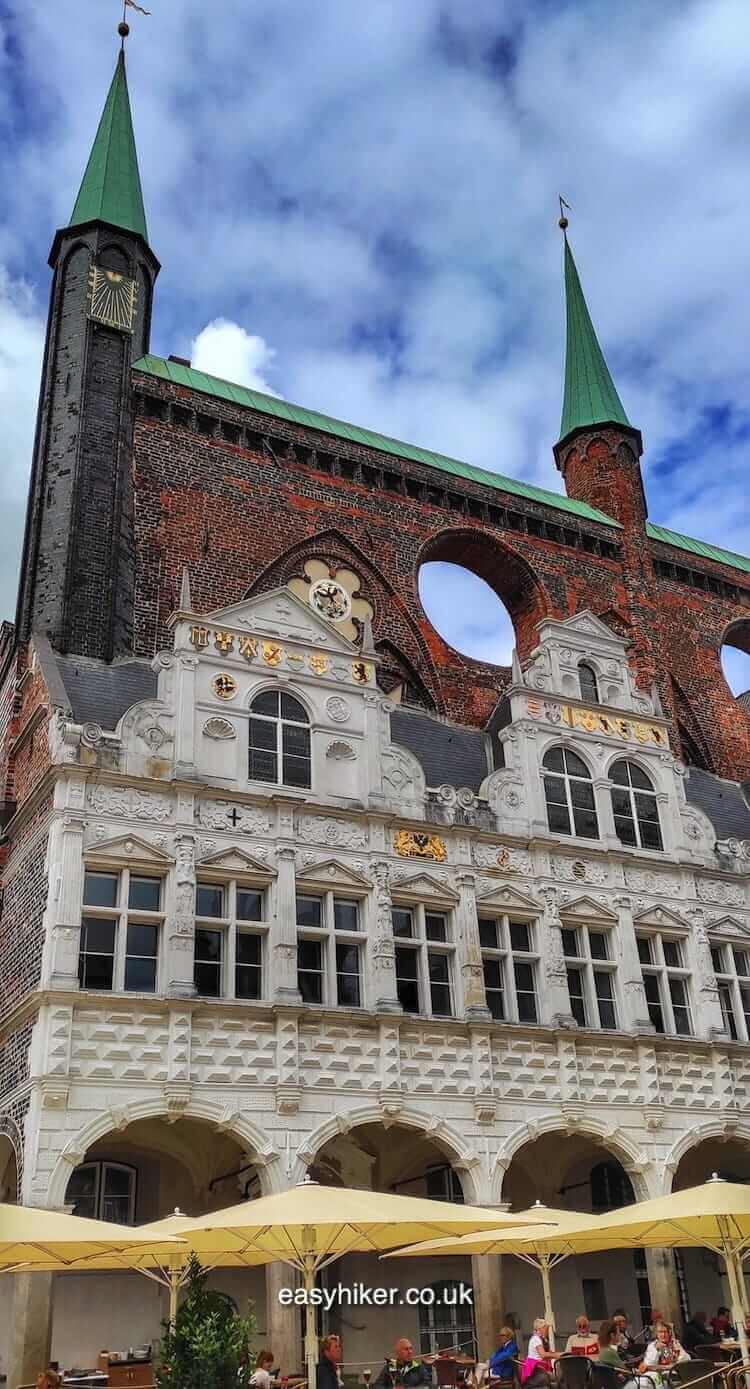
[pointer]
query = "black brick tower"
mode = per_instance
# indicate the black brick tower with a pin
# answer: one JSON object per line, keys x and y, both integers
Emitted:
{"x": 77, "y": 566}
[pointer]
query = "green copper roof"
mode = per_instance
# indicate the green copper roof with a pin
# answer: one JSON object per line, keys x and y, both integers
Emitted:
{"x": 590, "y": 395}
{"x": 698, "y": 547}
{"x": 111, "y": 188}
{"x": 271, "y": 405}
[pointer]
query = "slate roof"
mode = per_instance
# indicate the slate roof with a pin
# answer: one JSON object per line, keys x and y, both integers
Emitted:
{"x": 101, "y": 694}
{"x": 448, "y": 754}
{"x": 722, "y": 801}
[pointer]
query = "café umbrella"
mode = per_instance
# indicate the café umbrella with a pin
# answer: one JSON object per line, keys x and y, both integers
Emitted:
{"x": 533, "y": 1245}
{"x": 306, "y": 1227}
{"x": 32, "y": 1237}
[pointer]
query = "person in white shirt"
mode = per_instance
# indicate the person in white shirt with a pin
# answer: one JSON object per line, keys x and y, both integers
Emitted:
{"x": 537, "y": 1369}
{"x": 583, "y": 1341}
{"x": 662, "y": 1353}
{"x": 261, "y": 1376}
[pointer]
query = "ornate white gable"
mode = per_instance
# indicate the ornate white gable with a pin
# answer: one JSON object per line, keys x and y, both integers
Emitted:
{"x": 583, "y": 625}
{"x": 283, "y": 615}
{"x": 422, "y": 887}
{"x": 588, "y": 909}
{"x": 729, "y": 928}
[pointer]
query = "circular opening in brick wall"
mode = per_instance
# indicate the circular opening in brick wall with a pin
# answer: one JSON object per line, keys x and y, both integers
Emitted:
{"x": 735, "y": 661}
{"x": 466, "y": 612}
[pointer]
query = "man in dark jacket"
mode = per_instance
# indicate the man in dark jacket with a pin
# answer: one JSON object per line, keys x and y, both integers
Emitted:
{"x": 402, "y": 1368}
{"x": 328, "y": 1366}
{"x": 696, "y": 1333}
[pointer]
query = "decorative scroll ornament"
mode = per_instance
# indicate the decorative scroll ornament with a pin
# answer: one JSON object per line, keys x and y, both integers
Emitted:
{"x": 409, "y": 845}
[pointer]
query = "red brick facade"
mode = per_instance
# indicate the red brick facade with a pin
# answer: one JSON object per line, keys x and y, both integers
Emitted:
{"x": 243, "y": 501}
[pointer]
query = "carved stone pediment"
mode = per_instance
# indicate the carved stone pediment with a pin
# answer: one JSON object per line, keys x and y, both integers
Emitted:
{"x": 332, "y": 873}
{"x": 127, "y": 848}
{"x": 584, "y": 624}
{"x": 661, "y": 919}
{"x": 504, "y": 898}
{"x": 235, "y": 860}
{"x": 421, "y": 887}
{"x": 587, "y": 909}
{"x": 281, "y": 613}
{"x": 729, "y": 928}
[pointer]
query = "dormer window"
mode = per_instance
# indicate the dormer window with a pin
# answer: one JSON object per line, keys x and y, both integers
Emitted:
{"x": 634, "y": 806}
{"x": 588, "y": 683}
{"x": 279, "y": 740}
{"x": 569, "y": 793}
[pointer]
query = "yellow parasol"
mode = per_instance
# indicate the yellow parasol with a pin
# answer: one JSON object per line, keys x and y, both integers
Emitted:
{"x": 33, "y": 1237}
{"x": 533, "y": 1245}
{"x": 306, "y": 1227}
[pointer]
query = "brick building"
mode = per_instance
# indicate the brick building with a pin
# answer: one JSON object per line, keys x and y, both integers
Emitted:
{"x": 290, "y": 885}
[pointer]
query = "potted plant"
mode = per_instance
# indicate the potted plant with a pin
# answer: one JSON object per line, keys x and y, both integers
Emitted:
{"x": 209, "y": 1345}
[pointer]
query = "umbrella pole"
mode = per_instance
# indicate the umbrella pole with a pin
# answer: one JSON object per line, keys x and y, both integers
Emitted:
{"x": 549, "y": 1314}
{"x": 311, "y": 1339}
{"x": 736, "y": 1277}
{"x": 174, "y": 1292}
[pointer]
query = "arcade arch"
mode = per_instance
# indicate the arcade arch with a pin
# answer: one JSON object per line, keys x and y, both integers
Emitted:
{"x": 735, "y": 659}
{"x": 703, "y": 1283}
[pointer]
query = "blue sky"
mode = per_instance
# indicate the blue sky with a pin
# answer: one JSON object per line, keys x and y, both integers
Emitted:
{"x": 355, "y": 207}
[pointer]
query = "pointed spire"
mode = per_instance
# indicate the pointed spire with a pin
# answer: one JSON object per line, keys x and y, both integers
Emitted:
{"x": 186, "y": 602}
{"x": 590, "y": 394}
{"x": 111, "y": 188}
{"x": 368, "y": 641}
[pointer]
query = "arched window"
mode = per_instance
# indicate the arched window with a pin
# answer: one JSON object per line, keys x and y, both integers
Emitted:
{"x": 587, "y": 682}
{"x": 634, "y": 806}
{"x": 570, "y": 795}
{"x": 103, "y": 1191}
{"x": 279, "y": 740}
{"x": 610, "y": 1187}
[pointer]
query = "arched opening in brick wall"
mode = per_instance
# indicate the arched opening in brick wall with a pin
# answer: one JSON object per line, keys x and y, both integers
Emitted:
{"x": 735, "y": 660}
{"x": 480, "y": 597}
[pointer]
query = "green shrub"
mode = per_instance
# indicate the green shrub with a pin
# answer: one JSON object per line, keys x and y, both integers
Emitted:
{"x": 209, "y": 1347}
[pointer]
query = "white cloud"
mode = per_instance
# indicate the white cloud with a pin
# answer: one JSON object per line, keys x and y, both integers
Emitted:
{"x": 225, "y": 349}
{"x": 21, "y": 344}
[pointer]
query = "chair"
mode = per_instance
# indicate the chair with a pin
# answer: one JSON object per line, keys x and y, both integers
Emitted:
{"x": 688, "y": 1371}
{"x": 573, "y": 1371}
{"x": 609, "y": 1377}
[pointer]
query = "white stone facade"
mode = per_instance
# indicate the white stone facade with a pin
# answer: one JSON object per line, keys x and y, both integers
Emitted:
{"x": 167, "y": 796}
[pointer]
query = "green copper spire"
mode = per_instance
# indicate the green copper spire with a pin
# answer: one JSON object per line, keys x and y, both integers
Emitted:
{"x": 111, "y": 188}
{"x": 590, "y": 395}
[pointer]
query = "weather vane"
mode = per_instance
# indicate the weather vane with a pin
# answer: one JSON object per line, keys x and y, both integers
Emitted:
{"x": 563, "y": 223}
{"x": 123, "y": 27}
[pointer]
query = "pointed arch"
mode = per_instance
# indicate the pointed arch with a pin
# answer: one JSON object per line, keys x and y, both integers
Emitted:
{"x": 692, "y": 741}
{"x": 396, "y": 670}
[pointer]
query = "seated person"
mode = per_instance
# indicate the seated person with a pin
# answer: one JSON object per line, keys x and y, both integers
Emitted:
{"x": 403, "y": 1368}
{"x": 501, "y": 1363}
{"x": 722, "y": 1327}
{"x": 329, "y": 1374}
{"x": 651, "y": 1327}
{"x": 626, "y": 1341}
{"x": 662, "y": 1353}
{"x": 696, "y": 1332}
{"x": 538, "y": 1367}
{"x": 261, "y": 1376}
{"x": 583, "y": 1341}
{"x": 609, "y": 1351}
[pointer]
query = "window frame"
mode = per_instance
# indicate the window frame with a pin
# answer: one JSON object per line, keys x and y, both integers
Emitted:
{"x": 657, "y": 968}
{"x": 567, "y": 777}
{"x": 122, "y": 914}
{"x": 230, "y": 926}
{"x": 635, "y": 818}
{"x": 102, "y": 1165}
{"x": 590, "y": 967}
{"x": 330, "y": 937}
{"x": 588, "y": 698}
{"x": 507, "y": 956}
{"x": 733, "y": 981}
{"x": 423, "y": 947}
{"x": 280, "y": 722}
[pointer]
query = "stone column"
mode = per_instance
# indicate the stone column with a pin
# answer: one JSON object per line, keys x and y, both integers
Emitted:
{"x": 710, "y": 1019}
{"x": 662, "y": 1281}
{"x": 283, "y": 1325}
{"x": 487, "y": 1281}
{"x": 181, "y": 921}
{"x": 283, "y": 942}
{"x": 30, "y": 1327}
{"x": 629, "y": 966}
{"x": 553, "y": 996}
{"x": 470, "y": 950}
{"x": 384, "y": 950}
{"x": 65, "y": 903}
{"x": 184, "y": 751}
